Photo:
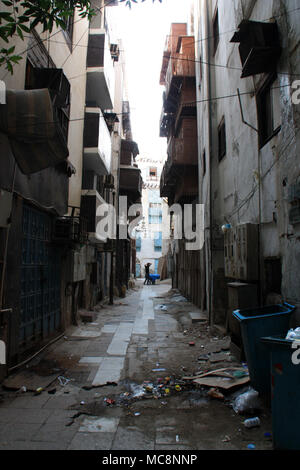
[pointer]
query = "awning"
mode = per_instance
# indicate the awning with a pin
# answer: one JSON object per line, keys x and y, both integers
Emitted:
{"x": 35, "y": 137}
{"x": 259, "y": 47}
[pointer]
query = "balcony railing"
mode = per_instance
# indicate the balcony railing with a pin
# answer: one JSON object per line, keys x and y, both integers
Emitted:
{"x": 180, "y": 66}
{"x": 131, "y": 182}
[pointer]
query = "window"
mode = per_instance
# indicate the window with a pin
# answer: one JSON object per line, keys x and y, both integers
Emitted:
{"x": 222, "y": 140}
{"x": 155, "y": 219}
{"x": 68, "y": 32}
{"x": 216, "y": 35}
{"x": 138, "y": 244}
{"x": 268, "y": 111}
{"x": 153, "y": 173}
{"x": 158, "y": 241}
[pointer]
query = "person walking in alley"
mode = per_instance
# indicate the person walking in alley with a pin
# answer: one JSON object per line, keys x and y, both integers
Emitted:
{"x": 147, "y": 272}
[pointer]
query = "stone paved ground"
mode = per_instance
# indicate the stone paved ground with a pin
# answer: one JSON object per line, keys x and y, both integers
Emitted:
{"x": 110, "y": 359}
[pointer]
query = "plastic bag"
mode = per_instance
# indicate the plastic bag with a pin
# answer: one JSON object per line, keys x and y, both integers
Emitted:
{"x": 247, "y": 402}
{"x": 293, "y": 334}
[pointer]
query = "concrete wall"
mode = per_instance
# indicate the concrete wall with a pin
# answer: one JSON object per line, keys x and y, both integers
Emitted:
{"x": 249, "y": 184}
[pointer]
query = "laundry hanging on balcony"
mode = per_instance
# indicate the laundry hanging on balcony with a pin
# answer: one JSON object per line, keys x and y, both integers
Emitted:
{"x": 35, "y": 137}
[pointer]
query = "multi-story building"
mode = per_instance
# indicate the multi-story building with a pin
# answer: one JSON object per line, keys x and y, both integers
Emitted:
{"x": 245, "y": 91}
{"x": 152, "y": 239}
{"x": 179, "y": 178}
{"x": 61, "y": 131}
{"x": 248, "y": 142}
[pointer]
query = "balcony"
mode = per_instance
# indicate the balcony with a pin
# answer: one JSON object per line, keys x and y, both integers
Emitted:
{"x": 90, "y": 203}
{"x": 129, "y": 151}
{"x": 167, "y": 182}
{"x": 131, "y": 183}
{"x": 181, "y": 67}
{"x": 100, "y": 71}
{"x": 183, "y": 150}
{"x": 97, "y": 143}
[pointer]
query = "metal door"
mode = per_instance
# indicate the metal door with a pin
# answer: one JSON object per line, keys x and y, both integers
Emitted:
{"x": 40, "y": 314}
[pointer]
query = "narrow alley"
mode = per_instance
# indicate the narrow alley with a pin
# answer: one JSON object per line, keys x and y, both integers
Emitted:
{"x": 122, "y": 381}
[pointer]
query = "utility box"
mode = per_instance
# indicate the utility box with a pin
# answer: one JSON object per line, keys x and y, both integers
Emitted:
{"x": 241, "y": 252}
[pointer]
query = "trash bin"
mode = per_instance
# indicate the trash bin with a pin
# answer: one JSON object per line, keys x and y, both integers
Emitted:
{"x": 154, "y": 277}
{"x": 256, "y": 323}
{"x": 284, "y": 382}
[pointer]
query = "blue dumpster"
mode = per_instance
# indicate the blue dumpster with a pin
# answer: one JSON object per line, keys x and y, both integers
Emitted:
{"x": 256, "y": 323}
{"x": 284, "y": 380}
{"x": 154, "y": 277}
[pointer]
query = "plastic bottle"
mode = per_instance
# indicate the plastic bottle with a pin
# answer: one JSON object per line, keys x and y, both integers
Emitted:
{"x": 252, "y": 422}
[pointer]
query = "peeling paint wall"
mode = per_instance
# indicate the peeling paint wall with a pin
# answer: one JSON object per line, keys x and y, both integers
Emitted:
{"x": 249, "y": 184}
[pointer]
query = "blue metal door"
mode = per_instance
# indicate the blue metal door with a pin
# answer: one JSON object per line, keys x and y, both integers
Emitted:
{"x": 40, "y": 283}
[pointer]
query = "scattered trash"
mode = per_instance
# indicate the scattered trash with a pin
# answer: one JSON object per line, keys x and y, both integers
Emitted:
{"x": 226, "y": 439}
{"x": 251, "y": 446}
{"x": 247, "y": 402}
{"x": 204, "y": 357}
{"x": 192, "y": 343}
{"x": 23, "y": 389}
{"x": 38, "y": 391}
{"x": 215, "y": 393}
{"x": 252, "y": 422}
{"x": 167, "y": 391}
{"x": 109, "y": 401}
{"x": 82, "y": 402}
{"x": 178, "y": 298}
{"x": 164, "y": 402}
{"x": 177, "y": 438}
{"x": 240, "y": 373}
{"x": 177, "y": 388}
{"x": 220, "y": 378}
{"x": 137, "y": 414}
{"x": 158, "y": 370}
{"x": 268, "y": 435}
{"x": 293, "y": 334}
{"x": 62, "y": 380}
{"x": 161, "y": 307}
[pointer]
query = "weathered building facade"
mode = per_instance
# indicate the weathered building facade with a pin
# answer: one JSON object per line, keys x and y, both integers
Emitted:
{"x": 246, "y": 67}
{"x": 60, "y": 145}
{"x": 152, "y": 241}
{"x": 179, "y": 178}
{"x": 248, "y": 150}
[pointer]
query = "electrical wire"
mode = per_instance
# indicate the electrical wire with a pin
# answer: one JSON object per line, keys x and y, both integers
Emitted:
{"x": 170, "y": 57}
{"x": 254, "y": 189}
{"x": 60, "y": 30}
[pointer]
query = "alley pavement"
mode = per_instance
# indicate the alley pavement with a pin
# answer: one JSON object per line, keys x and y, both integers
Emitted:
{"x": 121, "y": 382}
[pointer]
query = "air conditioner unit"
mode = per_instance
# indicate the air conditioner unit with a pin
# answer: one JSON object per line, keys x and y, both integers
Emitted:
{"x": 57, "y": 83}
{"x": 69, "y": 229}
{"x": 115, "y": 52}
